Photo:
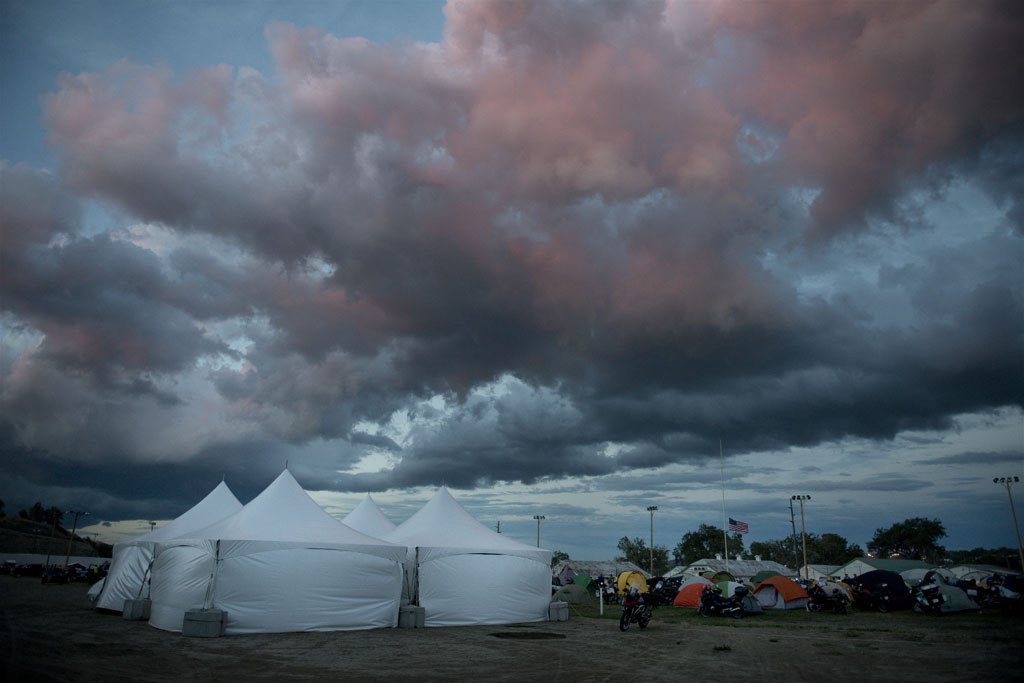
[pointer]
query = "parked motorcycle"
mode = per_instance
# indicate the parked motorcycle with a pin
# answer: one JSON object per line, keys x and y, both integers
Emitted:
{"x": 634, "y": 610}
{"x": 1009, "y": 601}
{"x": 712, "y": 603}
{"x": 662, "y": 593}
{"x": 929, "y": 598}
{"x": 820, "y": 601}
{"x": 877, "y": 599}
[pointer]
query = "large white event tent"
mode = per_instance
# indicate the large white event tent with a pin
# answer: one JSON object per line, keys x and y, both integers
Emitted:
{"x": 463, "y": 573}
{"x": 368, "y": 519}
{"x": 279, "y": 564}
{"x": 129, "y": 567}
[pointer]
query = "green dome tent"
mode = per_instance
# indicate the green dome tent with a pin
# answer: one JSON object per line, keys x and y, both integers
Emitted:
{"x": 757, "y": 578}
{"x": 586, "y": 582}
{"x": 573, "y": 594}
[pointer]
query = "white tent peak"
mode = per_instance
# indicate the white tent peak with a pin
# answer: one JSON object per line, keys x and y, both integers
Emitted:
{"x": 285, "y": 512}
{"x": 369, "y": 519}
{"x": 443, "y": 522}
{"x": 129, "y": 569}
{"x": 218, "y": 504}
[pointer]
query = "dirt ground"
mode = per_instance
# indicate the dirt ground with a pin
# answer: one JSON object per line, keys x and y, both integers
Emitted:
{"x": 47, "y": 634}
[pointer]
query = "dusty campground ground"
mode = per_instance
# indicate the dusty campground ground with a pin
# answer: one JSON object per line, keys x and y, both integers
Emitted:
{"x": 48, "y": 635}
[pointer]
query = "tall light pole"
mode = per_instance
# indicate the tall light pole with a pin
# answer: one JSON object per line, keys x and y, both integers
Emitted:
{"x": 803, "y": 532}
{"x": 651, "y": 509}
{"x": 538, "y": 518}
{"x": 1008, "y": 482}
{"x": 71, "y": 538}
{"x": 792, "y": 539}
{"x": 152, "y": 526}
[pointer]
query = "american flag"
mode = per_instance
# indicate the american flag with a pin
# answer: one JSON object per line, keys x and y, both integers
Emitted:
{"x": 738, "y": 526}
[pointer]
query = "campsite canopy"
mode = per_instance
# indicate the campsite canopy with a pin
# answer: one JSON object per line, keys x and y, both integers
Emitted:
{"x": 279, "y": 564}
{"x": 464, "y": 573}
{"x": 762, "y": 575}
{"x": 689, "y": 592}
{"x": 954, "y": 599}
{"x": 367, "y": 518}
{"x": 587, "y": 583}
{"x": 778, "y": 592}
{"x": 729, "y": 587}
{"x": 627, "y": 580}
{"x": 574, "y": 594}
{"x": 899, "y": 595}
{"x": 128, "y": 575}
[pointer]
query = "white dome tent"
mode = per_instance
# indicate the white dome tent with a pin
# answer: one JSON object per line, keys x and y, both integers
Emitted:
{"x": 279, "y": 564}
{"x": 129, "y": 567}
{"x": 462, "y": 573}
{"x": 368, "y": 519}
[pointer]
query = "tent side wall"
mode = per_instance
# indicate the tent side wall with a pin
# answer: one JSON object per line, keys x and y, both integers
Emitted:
{"x": 266, "y": 588}
{"x": 307, "y": 589}
{"x": 127, "y": 575}
{"x": 468, "y": 589}
{"x": 181, "y": 577}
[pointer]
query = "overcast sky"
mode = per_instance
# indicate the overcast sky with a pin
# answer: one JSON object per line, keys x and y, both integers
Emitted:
{"x": 548, "y": 254}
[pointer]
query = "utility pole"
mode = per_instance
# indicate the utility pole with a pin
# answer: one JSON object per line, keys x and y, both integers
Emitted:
{"x": 538, "y": 518}
{"x": 1008, "y": 482}
{"x": 49, "y": 544}
{"x": 792, "y": 539}
{"x": 651, "y": 509}
{"x": 803, "y": 531}
{"x": 71, "y": 538}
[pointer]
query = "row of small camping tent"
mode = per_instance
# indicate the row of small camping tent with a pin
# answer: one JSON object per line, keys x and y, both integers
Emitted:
{"x": 780, "y": 592}
{"x": 281, "y": 564}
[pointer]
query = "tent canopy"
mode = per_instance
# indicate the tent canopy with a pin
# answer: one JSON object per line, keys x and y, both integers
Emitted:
{"x": 574, "y": 594}
{"x": 128, "y": 574}
{"x": 780, "y": 592}
{"x": 285, "y": 514}
{"x": 463, "y": 573}
{"x": 368, "y": 519}
{"x": 762, "y": 575}
{"x": 443, "y": 527}
{"x": 627, "y": 580}
{"x": 279, "y": 564}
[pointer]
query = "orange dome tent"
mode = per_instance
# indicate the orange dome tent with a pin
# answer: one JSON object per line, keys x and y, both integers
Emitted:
{"x": 689, "y": 592}
{"x": 778, "y": 592}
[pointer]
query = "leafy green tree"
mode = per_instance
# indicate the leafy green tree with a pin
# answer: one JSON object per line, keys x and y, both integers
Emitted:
{"x": 999, "y": 557}
{"x": 557, "y": 557}
{"x": 37, "y": 513}
{"x": 915, "y": 538}
{"x": 52, "y": 516}
{"x": 705, "y": 542}
{"x": 831, "y": 549}
{"x": 635, "y": 550}
{"x": 775, "y": 551}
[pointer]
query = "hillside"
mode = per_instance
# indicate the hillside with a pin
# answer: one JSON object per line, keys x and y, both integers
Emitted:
{"x": 25, "y": 536}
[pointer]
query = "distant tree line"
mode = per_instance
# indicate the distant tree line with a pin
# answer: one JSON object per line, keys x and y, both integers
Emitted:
{"x": 915, "y": 538}
{"x": 37, "y": 513}
{"x": 51, "y": 517}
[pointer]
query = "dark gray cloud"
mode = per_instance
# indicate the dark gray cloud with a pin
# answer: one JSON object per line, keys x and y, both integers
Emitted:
{"x": 562, "y": 243}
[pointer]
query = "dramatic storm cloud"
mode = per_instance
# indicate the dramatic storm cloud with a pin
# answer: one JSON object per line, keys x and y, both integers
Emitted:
{"x": 562, "y": 244}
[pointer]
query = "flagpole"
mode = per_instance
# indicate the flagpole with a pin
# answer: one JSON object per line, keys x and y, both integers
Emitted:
{"x": 725, "y": 525}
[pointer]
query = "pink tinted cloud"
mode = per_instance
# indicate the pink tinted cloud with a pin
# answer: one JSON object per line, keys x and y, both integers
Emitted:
{"x": 870, "y": 94}
{"x": 388, "y": 151}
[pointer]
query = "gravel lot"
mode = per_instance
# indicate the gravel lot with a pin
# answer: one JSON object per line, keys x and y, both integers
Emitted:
{"x": 48, "y": 635}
